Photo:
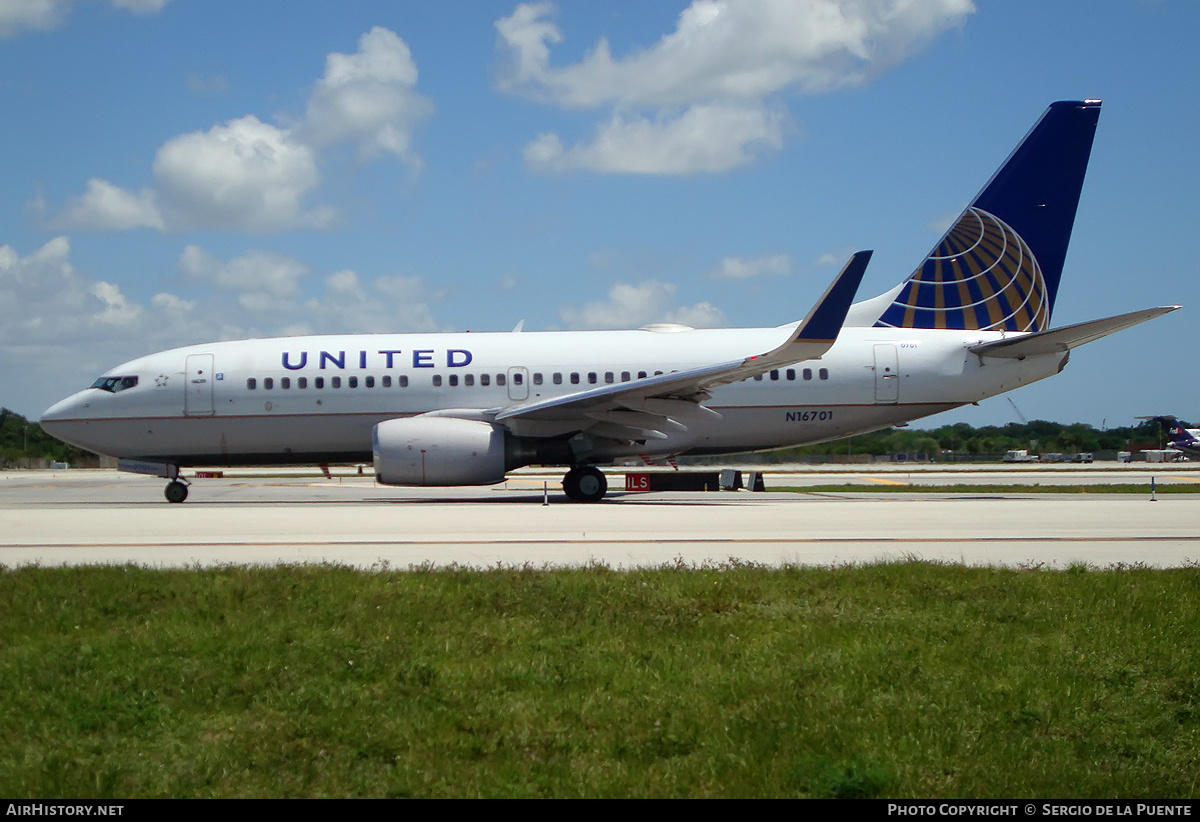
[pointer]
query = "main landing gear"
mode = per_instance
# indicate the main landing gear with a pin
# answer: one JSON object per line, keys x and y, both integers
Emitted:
{"x": 585, "y": 483}
{"x": 176, "y": 491}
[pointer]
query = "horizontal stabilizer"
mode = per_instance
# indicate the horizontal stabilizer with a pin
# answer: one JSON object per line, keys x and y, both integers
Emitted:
{"x": 1067, "y": 337}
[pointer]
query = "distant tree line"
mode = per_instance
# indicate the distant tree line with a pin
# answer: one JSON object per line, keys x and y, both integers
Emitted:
{"x": 963, "y": 441}
{"x": 23, "y": 443}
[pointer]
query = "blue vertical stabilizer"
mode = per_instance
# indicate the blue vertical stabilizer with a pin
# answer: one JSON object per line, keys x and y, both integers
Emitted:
{"x": 999, "y": 265}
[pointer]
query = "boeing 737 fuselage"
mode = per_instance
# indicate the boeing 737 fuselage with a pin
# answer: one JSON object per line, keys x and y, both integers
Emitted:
{"x": 463, "y": 409}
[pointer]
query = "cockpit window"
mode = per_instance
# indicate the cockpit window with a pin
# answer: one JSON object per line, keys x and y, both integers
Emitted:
{"x": 115, "y": 384}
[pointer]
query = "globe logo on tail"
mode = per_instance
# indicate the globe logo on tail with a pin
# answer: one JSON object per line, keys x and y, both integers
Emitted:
{"x": 981, "y": 275}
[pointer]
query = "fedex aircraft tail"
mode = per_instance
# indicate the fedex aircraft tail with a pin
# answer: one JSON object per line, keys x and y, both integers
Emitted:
{"x": 999, "y": 265}
{"x": 1180, "y": 436}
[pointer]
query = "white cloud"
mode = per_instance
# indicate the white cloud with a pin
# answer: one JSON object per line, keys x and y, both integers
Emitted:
{"x": 369, "y": 98}
{"x": 44, "y": 15}
{"x": 700, "y": 315}
{"x": 60, "y": 328}
{"x": 632, "y": 306}
{"x": 389, "y": 303}
{"x": 171, "y": 304}
{"x": 722, "y": 57}
{"x": 741, "y": 268}
{"x": 105, "y": 206}
{"x": 118, "y": 311}
{"x": 704, "y": 138}
{"x": 247, "y": 175}
{"x": 266, "y": 283}
{"x": 838, "y": 258}
{"x": 244, "y": 175}
{"x": 40, "y": 15}
{"x": 728, "y": 50}
{"x": 44, "y": 300}
{"x": 141, "y": 6}
{"x": 268, "y": 286}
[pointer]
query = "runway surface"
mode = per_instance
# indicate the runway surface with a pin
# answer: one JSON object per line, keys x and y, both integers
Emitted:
{"x": 87, "y": 517}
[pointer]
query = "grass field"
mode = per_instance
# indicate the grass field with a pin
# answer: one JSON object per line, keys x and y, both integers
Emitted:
{"x": 893, "y": 680}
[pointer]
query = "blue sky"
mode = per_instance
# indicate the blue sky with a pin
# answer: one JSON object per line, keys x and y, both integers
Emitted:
{"x": 179, "y": 171}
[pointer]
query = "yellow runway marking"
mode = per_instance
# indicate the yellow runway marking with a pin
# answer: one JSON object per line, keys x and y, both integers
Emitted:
{"x": 884, "y": 481}
{"x": 1184, "y": 479}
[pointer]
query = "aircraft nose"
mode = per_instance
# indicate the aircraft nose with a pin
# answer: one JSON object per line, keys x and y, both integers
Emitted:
{"x": 66, "y": 408}
{"x": 65, "y": 420}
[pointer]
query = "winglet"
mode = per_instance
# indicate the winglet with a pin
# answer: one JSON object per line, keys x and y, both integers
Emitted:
{"x": 825, "y": 320}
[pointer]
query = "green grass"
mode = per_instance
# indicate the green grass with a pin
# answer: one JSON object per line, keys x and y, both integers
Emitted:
{"x": 894, "y": 680}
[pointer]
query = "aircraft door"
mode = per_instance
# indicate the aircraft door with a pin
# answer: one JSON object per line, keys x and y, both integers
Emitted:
{"x": 887, "y": 374}
{"x": 198, "y": 386}
{"x": 518, "y": 383}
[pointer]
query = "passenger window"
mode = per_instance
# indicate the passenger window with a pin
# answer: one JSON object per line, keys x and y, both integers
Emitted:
{"x": 387, "y": 381}
{"x": 591, "y": 378}
{"x": 775, "y": 374}
{"x": 453, "y": 379}
{"x": 335, "y": 382}
{"x": 791, "y": 373}
{"x": 608, "y": 377}
{"x": 537, "y": 379}
{"x": 808, "y": 373}
{"x": 251, "y": 383}
{"x": 353, "y": 383}
{"x": 518, "y": 378}
{"x": 823, "y": 373}
{"x": 574, "y": 378}
{"x": 437, "y": 380}
{"x": 658, "y": 373}
{"x": 557, "y": 378}
{"x": 268, "y": 383}
{"x": 302, "y": 382}
{"x": 468, "y": 379}
{"x": 319, "y": 382}
{"x": 641, "y": 375}
{"x": 624, "y": 376}
{"x": 485, "y": 379}
{"x": 758, "y": 377}
{"x": 404, "y": 381}
{"x": 500, "y": 379}
{"x": 369, "y": 382}
{"x": 285, "y": 382}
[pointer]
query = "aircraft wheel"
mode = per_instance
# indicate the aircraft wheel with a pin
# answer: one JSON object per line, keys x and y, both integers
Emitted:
{"x": 585, "y": 484}
{"x": 176, "y": 491}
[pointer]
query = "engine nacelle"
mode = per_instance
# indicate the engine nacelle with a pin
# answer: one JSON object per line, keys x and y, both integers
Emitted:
{"x": 438, "y": 451}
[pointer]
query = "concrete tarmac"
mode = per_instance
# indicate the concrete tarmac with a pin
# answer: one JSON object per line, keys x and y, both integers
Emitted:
{"x": 87, "y": 517}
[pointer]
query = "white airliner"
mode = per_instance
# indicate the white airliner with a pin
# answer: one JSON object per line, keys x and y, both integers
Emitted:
{"x": 463, "y": 409}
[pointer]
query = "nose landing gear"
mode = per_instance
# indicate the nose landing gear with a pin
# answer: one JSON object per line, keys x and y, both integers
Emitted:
{"x": 585, "y": 483}
{"x": 176, "y": 490}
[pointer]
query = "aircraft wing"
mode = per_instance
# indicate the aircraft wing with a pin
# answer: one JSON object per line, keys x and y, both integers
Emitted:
{"x": 641, "y": 409}
{"x": 1067, "y": 337}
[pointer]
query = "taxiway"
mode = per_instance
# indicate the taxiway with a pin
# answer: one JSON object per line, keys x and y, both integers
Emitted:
{"x": 86, "y": 517}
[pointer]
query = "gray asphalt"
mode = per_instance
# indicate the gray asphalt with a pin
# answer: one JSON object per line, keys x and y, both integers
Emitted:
{"x": 87, "y": 517}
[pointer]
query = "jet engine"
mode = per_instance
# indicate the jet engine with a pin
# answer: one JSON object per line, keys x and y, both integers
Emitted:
{"x": 438, "y": 451}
